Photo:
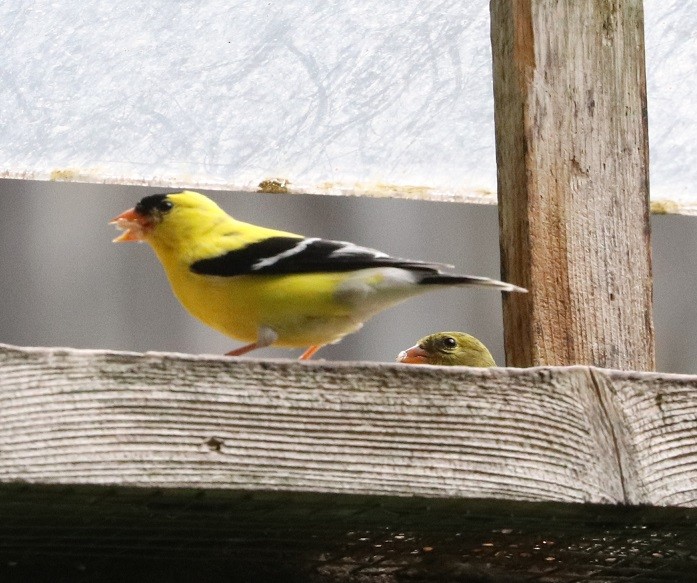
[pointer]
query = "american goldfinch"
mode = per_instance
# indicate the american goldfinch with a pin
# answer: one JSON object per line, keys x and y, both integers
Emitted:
{"x": 272, "y": 288}
{"x": 448, "y": 349}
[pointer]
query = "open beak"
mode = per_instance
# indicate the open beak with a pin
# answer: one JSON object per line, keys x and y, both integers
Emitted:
{"x": 413, "y": 355}
{"x": 134, "y": 226}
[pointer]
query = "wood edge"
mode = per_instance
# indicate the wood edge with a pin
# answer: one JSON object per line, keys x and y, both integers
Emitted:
{"x": 473, "y": 195}
{"x": 612, "y": 374}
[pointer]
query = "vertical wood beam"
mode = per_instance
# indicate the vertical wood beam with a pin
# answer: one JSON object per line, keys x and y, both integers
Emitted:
{"x": 572, "y": 156}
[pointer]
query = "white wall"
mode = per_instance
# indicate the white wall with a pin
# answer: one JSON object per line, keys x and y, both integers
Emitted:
{"x": 334, "y": 96}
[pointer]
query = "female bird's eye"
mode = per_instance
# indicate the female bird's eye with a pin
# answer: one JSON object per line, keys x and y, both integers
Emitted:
{"x": 164, "y": 205}
{"x": 449, "y": 342}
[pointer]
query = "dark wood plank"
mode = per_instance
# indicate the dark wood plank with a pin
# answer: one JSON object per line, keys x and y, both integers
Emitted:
{"x": 93, "y": 533}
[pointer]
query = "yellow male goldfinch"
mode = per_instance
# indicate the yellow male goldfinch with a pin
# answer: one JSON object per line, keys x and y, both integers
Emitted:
{"x": 448, "y": 349}
{"x": 268, "y": 287}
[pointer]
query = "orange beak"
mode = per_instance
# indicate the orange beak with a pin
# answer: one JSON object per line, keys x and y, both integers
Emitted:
{"x": 135, "y": 227}
{"x": 413, "y": 355}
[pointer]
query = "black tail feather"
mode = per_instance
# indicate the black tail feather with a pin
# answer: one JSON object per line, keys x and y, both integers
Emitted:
{"x": 447, "y": 279}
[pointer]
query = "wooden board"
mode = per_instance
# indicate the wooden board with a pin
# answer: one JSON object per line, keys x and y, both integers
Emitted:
{"x": 572, "y": 157}
{"x": 105, "y": 534}
{"x": 575, "y": 434}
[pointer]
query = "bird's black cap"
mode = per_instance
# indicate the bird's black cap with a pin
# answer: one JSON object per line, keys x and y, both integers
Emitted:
{"x": 154, "y": 202}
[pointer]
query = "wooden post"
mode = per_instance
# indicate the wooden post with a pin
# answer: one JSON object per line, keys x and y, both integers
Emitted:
{"x": 572, "y": 155}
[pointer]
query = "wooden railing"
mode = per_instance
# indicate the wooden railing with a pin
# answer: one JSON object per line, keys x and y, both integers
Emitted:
{"x": 576, "y": 434}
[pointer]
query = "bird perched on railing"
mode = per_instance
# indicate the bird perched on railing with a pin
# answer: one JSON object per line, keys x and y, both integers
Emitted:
{"x": 273, "y": 288}
{"x": 448, "y": 349}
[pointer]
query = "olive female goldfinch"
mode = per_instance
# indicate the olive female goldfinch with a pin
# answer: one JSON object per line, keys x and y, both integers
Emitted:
{"x": 448, "y": 349}
{"x": 273, "y": 288}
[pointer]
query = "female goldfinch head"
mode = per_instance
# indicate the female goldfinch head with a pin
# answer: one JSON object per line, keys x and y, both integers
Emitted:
{"x": 448, "y": 349}
{"x": 166, "y": 219}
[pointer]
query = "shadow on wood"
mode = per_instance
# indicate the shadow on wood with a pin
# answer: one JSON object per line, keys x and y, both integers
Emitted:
{"x": 90, "y": 533}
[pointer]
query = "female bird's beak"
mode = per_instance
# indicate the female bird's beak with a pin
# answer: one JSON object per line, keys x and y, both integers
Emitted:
{"x": 134, "y": 226}
{"x": 413, "y": 355}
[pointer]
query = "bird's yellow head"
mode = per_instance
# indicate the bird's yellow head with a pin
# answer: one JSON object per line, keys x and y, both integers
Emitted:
{"x": 448, "y": 349}
{"x": 168, "y": 217}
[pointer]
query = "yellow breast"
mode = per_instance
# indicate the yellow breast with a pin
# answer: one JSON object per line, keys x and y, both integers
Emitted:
{"x": 301, "y": 309}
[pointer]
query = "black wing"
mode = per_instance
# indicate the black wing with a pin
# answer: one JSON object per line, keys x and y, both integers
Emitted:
{"x": 288, "y": 255}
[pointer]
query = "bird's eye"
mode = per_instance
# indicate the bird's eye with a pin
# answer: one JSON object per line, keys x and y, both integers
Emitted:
{"x": 164, "y": 205}
{"x": 449, "y": 342}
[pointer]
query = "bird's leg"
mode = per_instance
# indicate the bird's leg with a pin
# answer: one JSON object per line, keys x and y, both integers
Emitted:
{"x": 265, "y": 337}
{"x": 243, "y": 349}
{"x": 310, "y": 352}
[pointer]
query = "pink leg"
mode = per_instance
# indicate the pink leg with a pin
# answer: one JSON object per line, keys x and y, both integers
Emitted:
{"x": 243, "y": 350}
{"x": 310, "y": 352}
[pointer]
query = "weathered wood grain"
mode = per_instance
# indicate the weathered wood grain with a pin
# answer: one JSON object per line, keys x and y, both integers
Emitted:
{"x": 572, "y": 157}
{"x": 575, "y": 434}
{"x": 661, "y": 415}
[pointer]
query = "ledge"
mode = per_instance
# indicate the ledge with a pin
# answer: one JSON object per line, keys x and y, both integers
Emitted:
{"x": 572, "y": 434}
